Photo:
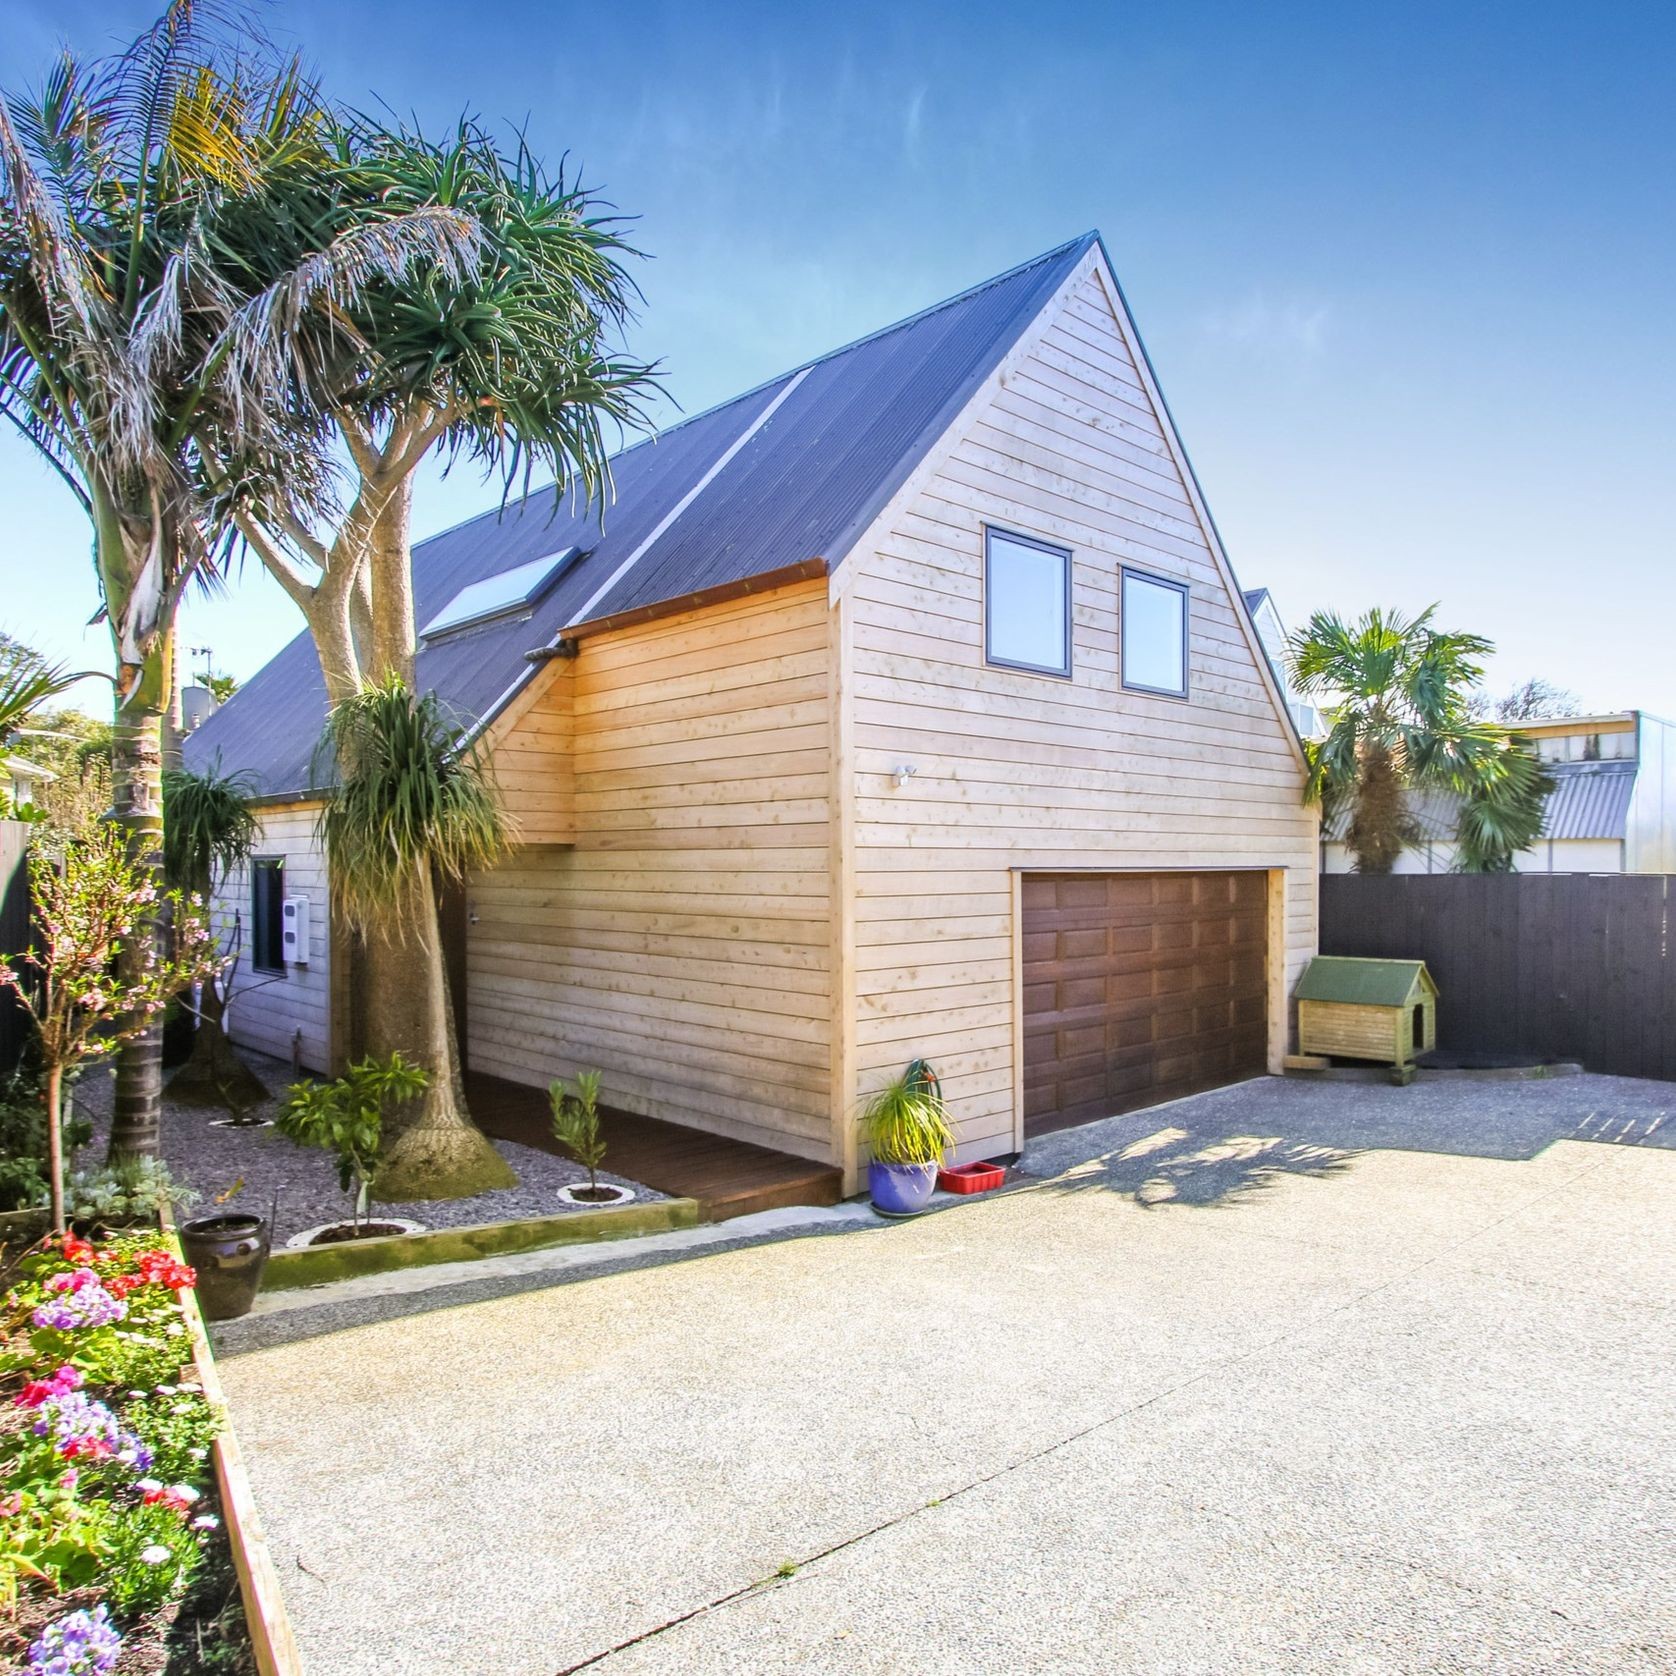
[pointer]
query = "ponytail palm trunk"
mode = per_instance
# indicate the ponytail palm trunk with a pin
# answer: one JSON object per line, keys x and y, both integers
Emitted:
{"x": 409, "y": 806}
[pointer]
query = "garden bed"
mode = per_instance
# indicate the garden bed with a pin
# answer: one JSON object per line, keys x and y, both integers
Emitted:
{"x": 120, "y": 1541}
{"x": 209, "y": 1158}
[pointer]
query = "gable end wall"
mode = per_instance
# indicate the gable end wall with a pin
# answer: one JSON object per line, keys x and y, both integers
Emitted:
{"x": 1020, "y": 771}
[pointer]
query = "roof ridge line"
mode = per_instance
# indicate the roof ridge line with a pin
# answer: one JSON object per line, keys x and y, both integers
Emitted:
{"x": 1088, "y": 239}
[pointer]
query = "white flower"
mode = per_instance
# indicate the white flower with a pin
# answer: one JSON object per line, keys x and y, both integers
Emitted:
{"x": 148, "y": 1484}
{"x": 184, "y": 1491}
{"x": 156, "y": 1554}
{"x": 167, "y": 1390}
{"x": 205, "y": 1522}
{"x": 198, "y": 1454}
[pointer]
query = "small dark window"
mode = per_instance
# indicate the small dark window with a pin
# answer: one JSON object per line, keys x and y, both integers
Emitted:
{"x": 1027, "y": 604}
{"x": 267, "y": 905}
{"x": 1152, "y": 624}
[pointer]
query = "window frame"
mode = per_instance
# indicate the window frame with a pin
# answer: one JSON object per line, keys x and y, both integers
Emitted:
{"x": 267, "y": 866}
{"x": 1065, "y": 671}
{"x": 1124, "y": 572}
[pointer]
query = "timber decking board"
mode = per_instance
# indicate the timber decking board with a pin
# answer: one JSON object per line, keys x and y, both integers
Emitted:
{"x": 728, "y": 1177}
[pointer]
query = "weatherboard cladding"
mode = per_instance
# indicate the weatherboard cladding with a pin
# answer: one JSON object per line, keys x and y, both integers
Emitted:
{"x": 803, "y": 487}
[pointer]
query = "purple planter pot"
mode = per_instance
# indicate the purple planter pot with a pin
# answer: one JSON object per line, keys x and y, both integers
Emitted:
{"x": 901, "y": 1189}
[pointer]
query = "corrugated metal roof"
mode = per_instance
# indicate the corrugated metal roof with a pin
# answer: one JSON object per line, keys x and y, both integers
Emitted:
{"x": 1589, "y": 800}
{"x": 849, "y": 429}
{"x": 1361, "y": 983}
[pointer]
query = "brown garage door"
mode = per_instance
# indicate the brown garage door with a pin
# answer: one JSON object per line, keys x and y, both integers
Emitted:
{"x": 1139, "y": 987}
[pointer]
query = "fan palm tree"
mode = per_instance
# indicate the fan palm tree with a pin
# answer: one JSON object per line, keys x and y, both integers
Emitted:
{"x": 209, "y": 829}
{"x": 411, "y": 805}
{"x": 1396, "y": 693}
{"x": 508, "y": 363}
{"x": 125, "y": 335}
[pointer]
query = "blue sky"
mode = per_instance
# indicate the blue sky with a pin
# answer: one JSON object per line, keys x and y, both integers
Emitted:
{"x": 1406, "y": 272}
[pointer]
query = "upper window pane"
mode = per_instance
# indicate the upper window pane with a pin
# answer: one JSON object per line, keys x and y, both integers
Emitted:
{"x": 1027, "y": 604}
{"x": 1154, "y": 630}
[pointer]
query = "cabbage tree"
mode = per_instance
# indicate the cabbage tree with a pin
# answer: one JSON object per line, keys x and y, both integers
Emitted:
{"x": 125, "y": 336}
{"x": 508, "y": 363}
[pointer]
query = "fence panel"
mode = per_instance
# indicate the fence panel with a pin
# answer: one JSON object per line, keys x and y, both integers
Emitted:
{"x": 14, "y": 935}
{"x": 1566, "y": 965}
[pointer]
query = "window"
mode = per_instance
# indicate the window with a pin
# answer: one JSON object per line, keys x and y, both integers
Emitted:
{"x": 1027, "y": 604}
{"x": 267, "y": 904}
{"x": 501, "y": 595}
{"x": 1153, "y": 627}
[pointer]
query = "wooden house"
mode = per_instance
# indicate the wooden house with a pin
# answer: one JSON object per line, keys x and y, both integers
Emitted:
{"x": 903, "y": 706}
{"x": 1367, "y": 1009}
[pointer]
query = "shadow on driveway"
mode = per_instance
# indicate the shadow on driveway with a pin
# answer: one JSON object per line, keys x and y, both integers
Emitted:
{"x": 1235, "y": 1142}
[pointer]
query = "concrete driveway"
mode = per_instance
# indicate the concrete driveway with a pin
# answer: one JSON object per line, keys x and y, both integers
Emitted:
{"x": 1237, "y": 1387}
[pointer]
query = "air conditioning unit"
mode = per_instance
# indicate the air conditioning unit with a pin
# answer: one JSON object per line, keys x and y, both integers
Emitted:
{"x": 293, "y": 936}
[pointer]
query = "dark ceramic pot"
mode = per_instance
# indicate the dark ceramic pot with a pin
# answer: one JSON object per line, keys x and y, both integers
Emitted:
{"x": 229, "y": 1252}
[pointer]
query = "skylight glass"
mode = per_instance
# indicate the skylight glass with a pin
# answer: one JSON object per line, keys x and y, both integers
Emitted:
{"x": 500, "y": 595}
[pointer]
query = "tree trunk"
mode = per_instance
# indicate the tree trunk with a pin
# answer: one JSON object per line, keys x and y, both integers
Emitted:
{"x": 1380, "y": 824}
{"x": 137, "y": 807}
{"x": 55, "y": 1145}
{"x": 437, "y": 1152}
{"x": 213, "y": 1074}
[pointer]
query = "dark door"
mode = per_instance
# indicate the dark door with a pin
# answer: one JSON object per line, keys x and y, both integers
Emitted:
{"x": 1140, "y": 987}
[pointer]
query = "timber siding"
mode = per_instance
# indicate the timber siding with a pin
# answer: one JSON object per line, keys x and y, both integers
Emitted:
{"x": 279, "y": 1005}
{"x": 1019, "y": 771}
{"x": 682, "y": 945}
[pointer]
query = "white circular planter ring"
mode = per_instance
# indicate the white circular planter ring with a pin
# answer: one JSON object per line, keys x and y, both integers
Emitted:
{"x": 619, "y": 1196}
{"x": 237, "y": 1123}
{"x": 400, "y": 1223}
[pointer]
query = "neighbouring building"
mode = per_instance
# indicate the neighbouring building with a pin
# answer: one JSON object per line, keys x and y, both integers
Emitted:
{"x": 1612, "y": 809}
{"x": 1271, "y": 630}
{"x": 905, "y": 705}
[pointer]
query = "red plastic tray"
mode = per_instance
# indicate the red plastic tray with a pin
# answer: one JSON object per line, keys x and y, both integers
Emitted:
{"x": 971, "y": 1178}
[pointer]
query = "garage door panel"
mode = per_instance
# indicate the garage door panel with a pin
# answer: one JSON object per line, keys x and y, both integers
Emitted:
{"x": 1140, "y": 987}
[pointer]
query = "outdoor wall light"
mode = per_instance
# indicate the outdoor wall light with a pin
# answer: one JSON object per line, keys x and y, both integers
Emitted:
{"x": 903, "y": 773}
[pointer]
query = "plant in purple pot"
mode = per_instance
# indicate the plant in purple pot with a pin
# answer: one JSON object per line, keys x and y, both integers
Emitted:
{"x": 906, "y": 1128}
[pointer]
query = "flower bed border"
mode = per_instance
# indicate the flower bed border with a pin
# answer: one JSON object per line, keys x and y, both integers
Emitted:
{"x": 316, "y": 1265}
{"x": 264, "y": 1604}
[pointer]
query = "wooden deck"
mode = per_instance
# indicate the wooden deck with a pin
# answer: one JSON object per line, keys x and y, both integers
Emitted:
{"x": 728, "y": 1178}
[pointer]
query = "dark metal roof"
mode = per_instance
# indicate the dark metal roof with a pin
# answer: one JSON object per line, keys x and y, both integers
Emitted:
{"x": 816, "y": 454}
{"x": 1589, "y": 800}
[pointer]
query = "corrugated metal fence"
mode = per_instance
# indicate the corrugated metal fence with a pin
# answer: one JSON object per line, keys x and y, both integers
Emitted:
{"x": 1551, "y": 965}
{"x": 14, "y": 935}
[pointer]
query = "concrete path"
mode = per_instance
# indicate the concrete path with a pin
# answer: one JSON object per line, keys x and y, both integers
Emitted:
{"x": 1225, "y": 1393}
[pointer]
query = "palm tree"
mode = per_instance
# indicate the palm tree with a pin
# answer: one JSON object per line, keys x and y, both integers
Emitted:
{"x": 208, "y": 830}
{"x": 507, "y": 363}
{"x": 411, "y": 806}
{"x": 126, "y": 335}
{"x": 1396, "y": 692}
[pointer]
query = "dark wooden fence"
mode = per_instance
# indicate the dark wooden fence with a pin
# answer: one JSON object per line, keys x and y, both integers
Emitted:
{"x": 1551, "y": 965}
{"x": 14, "y": 935}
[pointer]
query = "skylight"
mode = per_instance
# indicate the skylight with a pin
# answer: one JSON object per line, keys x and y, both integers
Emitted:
{"x": 502, "y": 595}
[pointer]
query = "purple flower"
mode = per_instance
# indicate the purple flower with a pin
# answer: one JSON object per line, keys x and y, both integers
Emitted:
{"x": 84, "y": 1305}
{"x": 78, "y": 1644}
{"x": 82, "y": 1428}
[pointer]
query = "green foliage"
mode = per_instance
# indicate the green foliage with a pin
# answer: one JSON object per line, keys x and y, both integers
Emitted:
{"x": 346, "y": 1117}
{"x": 124, "y": 1193}
{"x": 1398, "y": 695}
{"x": 407, "y": 797}
{"x": 209, "y": 827}
{"x": 906, "y": 1121}
{"x": 576, "y": 1121}
{"x": 23, "y": 1141}
{"x": 27, "y": 682}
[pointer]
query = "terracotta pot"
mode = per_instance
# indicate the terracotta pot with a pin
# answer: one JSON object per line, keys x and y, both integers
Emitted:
{"x": 229, "y": 1252}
